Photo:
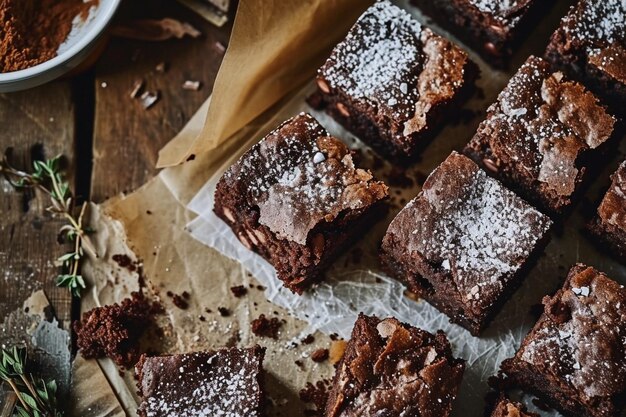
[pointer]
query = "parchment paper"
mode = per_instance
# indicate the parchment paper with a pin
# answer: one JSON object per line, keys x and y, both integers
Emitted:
{"x": 271, "y": 54}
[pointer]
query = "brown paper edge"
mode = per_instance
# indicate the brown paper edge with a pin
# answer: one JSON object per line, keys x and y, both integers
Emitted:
{"x": 275, "y": 46}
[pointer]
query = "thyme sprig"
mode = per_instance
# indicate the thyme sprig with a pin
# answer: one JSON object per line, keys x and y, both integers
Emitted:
{"x": 47, "y": 176}
{"x": 37, "y": 397}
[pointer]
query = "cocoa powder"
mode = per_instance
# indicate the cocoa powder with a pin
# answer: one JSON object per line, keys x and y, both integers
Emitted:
{"x": 31, "y": 31}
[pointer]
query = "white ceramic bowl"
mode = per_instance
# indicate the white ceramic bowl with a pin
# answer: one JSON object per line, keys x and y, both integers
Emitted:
{"x": 78, "y": 46}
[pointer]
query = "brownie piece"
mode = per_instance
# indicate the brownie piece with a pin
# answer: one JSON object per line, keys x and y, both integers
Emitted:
{"x": 590, "y": 44}
{"x": 115, "y": 330}
{"x": 227, "y": 382}
{"x": 297, "y": 199}
{"x": 575, "y": 357}
{"x": 464, "y": 243}
{"x": 504, "y": 407}
{"x": 391, "y": 81}
{"x": 541, "y": 135}
{"x": 491, "y": 27}
{"x": 394, "y": 370}
{"x": 609, "y": 226}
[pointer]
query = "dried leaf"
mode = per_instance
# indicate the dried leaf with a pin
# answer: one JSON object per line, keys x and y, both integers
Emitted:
{"x": 155, "y": 30}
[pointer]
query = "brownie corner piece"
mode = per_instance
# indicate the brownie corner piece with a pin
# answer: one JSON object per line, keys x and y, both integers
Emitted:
{"x": 505, "y": 407}
{"x": 297, "y": 199}
{"x": 574, "y": 358}
{"x": 542, "y": 136}
{"x": 609, "y": 224}
{"x": 494, "y": 28}
{"x": 392, "y": 369}
{"x": 590, "y": 44}
{"x": 208, "y": 383}
{"x": 391, "y": 81}
{"x": 464, "y": 243}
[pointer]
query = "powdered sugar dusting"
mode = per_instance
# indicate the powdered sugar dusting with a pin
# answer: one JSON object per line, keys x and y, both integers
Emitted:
{"x": 598, "y": 21}
{"x": 533, "y": 129}
{"x": 483, "y": 231}
{"x": 379, "y": 59}
{"x": 203, "y": 385}
{"x": 494, "y": 6}
{"x": 298, "y": 176}
{"x": 586, "y": 345}
{"x": 278, "y": 161}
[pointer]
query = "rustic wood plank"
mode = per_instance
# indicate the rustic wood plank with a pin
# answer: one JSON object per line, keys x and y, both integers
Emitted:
{"x": 127, "y": 137}
{"x": 36, "y": 124}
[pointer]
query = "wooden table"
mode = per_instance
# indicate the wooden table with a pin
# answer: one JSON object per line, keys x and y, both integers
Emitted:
{"x": 109, "y": 140}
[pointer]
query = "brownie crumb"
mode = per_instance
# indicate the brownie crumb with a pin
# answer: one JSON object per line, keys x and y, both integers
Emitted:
{"x": 114, "y": 330}
{"x": 180, "y": 302}
{"x": 299, "y": 363}
{"x": 124, "y": 261}
{"x": 308, "y": 339}
{"x": 319, "y": 355}
{"x": 224, "y": 312}
{"x": 238, "y": 291}
{"x": 264, "y": 327}
{"x": 316, "y": 394}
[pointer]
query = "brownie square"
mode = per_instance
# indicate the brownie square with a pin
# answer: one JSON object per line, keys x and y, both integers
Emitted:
{"x": 504, "y": 407}
{"x": 227, "y": 382}
{"x": 590, "y": 44}
{"x": 609, "y": 225}
{"x": 464, "y": 242}
{"x": 541, "y": 136}
{"x": 491, "y": 27}
{"x": 297, "y": 199}
{"x": 394, "y": 370}
{"x": 391, "y": 81}
{"x": 575, "y": 357}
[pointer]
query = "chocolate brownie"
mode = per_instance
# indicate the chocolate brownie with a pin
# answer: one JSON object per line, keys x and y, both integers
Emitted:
{"x": 227, "y": 382}
{"x": 609, "y": 225}
{"x": 541, "y": 135}
{"x": 115, "y": 330}
{"x": 391, "y": 81}
{"x": 504, "y": 407}
{"x": 297, "y": 199}
{"x": 491, "y": 27}
{"x": 590, "y": 44}
{"x": 392, "y": 369}
{"x": 464, "y": 243}
{"x": 575, "y": 357}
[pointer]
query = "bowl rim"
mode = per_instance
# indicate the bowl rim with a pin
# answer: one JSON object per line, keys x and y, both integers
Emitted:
{"x": 90, "y": 36}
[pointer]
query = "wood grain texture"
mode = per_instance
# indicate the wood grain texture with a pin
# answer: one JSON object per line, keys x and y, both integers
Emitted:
{"x": 127, "y": 137}
{"x": 36, "y": 124}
